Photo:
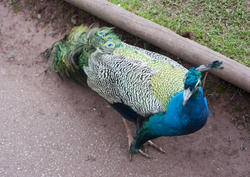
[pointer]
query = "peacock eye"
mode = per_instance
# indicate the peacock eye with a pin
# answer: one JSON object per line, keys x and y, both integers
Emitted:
{"x": 109, "y": 37}
{"x": 109, "y": 44}
{"x": 101, "y": 33}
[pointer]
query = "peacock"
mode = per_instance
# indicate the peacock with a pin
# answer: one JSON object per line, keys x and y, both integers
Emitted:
{"x": 160, "y": 96}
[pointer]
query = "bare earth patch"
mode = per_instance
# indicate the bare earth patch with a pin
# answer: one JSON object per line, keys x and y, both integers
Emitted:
{"x": 51, "y": 127}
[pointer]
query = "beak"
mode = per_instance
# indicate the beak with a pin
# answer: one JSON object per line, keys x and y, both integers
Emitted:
{"x": 186, "y": 95}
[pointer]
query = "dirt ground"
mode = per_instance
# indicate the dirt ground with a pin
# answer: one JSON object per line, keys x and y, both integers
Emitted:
{"x": 51, "y": 127}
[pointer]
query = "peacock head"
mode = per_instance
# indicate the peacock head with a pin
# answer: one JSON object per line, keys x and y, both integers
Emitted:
{"x": 192, "y": 80}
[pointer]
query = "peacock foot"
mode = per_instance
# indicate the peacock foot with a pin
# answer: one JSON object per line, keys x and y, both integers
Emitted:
{"x": 130, "y": 140}
{"x": 144, "y": 153}
{"x": 140, "y": 151}
{"x": 160, "y": 149}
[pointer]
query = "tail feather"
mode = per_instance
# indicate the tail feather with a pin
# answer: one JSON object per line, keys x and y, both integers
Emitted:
{"x": 65, "y": 56}
{"x": 69, "y": 55}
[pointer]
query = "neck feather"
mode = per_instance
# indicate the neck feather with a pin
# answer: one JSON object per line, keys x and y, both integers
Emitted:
{"x": 177, "y": 120}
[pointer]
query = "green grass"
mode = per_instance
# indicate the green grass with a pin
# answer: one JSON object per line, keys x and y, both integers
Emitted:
{"x": 221, "y": 25}
{"x": 27, "y": 3}
{"x": 15, "y": 6}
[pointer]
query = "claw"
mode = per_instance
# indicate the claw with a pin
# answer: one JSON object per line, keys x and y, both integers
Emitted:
{"x": 151, "y": 143}
{"x": 130, "y": 156}
{"x": 144, "y": 154}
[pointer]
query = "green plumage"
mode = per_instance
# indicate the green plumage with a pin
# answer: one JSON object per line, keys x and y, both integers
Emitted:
{"x": 66, "y": 55}
{"x": 69, "y": 55}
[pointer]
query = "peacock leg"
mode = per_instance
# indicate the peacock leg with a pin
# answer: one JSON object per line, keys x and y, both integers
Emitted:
{"x": 128, "y": 131}
{"x": 151, "y": 143}
{"x": 130, "y": 139}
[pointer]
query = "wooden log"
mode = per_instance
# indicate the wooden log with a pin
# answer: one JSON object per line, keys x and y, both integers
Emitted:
{"x": 166, "y": 39}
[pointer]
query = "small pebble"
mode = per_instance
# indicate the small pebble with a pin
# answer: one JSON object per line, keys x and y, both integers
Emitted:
{"x": 91, "y": 158}
{"x": 229, "y": 10}
{"x": 73, "y": 19}
{"x": 240, "y": 127}
{"x": 11, "y": 55}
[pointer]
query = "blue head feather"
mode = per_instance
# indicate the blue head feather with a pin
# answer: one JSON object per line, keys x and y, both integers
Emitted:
{"x": 191, "y": 79}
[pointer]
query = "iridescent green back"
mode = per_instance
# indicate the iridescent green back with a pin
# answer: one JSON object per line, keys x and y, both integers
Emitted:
{"x": 168, "y": 79}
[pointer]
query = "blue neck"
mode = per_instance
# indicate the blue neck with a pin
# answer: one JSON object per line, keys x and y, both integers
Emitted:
{"x": 177, "y": 120}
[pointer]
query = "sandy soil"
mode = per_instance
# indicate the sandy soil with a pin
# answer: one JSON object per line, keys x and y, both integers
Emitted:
{"x": 51, "y": 127}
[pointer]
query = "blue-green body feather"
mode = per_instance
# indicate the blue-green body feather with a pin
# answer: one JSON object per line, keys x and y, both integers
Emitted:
{"x": 177, "y": 120}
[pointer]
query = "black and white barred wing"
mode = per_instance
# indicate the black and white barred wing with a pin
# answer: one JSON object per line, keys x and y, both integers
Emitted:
{"x": 119, "y": 79}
